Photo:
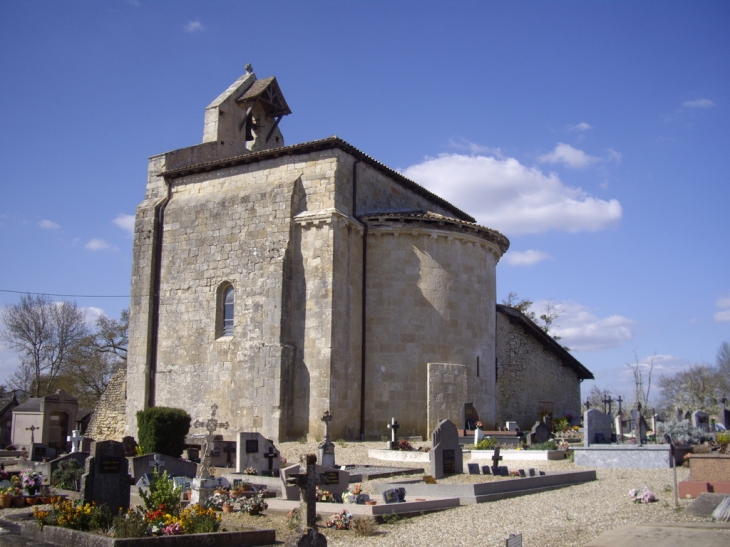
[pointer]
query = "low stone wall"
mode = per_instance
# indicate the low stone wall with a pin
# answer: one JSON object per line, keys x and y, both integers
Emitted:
{"x": 399, "y": 455}
{"x": 519, "y": 455}
{"x": 623, "y": 456}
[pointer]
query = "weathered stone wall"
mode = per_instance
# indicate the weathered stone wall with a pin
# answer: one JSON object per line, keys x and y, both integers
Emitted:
{"x": 430, "y": 296}
{"x": 447, "y": 392}
{"x": 108, "y": 422}
{"x": 528, "y": 373}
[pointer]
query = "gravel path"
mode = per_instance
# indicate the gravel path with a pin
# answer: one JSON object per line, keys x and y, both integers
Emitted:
{"x": 568, "y": 517}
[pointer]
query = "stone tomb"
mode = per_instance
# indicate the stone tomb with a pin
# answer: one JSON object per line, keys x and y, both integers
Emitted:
{"x": 175, "y": 467}
{"x": 255, "y": 450}
{"x": 106, "y": 479}
{"x": 597, "y": 427}
{"x": 446, "y": 454}
{"x": 335, "y": 481}
{"x": 701, "y": 420}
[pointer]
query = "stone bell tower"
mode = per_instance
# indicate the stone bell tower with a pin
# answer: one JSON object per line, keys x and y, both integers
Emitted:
{"x": 245, "y": 117}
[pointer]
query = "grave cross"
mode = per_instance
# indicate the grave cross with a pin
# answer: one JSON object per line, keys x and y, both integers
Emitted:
{"x": 211, "y": 424}
{"x": 588, "y": 404}
{"x": 270, "y": 455}
{"x": 75, "y": 440}
{"x": 326, "y": 418}
{"x": 620, "y": 400}
{"x": 32, "y": 429}
{"x": 496, "y": 459}
{"x": 607, "y": 401}
{"x": 156, "y": 462}
{"x": 306, "y": 480}
{"x": 393, "y": 426}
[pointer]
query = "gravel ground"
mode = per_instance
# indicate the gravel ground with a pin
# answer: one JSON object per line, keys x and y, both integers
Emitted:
{"x": 568, "y": 517}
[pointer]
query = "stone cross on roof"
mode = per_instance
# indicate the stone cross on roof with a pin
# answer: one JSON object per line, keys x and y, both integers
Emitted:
{"x": 211, "y": 424}
{"x": 393, "y": 426}
{"x": 75, "y": 440}
{"x": 326, "y": 418}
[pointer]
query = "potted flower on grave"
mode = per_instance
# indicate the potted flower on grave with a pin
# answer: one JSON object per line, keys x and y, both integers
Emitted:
{"x": 254, "y": 505}
{"x": 31, "y": 481}
{"x": 324, "y": 496}
{"x": 250, "y": 471}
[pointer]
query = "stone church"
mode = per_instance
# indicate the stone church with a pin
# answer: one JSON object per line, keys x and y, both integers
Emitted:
{"x": 280, "y": 281}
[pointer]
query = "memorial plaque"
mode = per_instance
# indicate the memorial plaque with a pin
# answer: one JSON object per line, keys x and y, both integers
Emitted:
{"x": 449, "y": 460}
{"x": 473, "y": 468}
{"x": 40, "y": 451}
{"x": 331, "y": 477}
{"x": 521, "y": 472}
{"x": 486, "y": 470}
{"x": 110, "y": 465}
{"x": 532, "y": 471}
{"x": 514, "y": 540}
{"x": 390, "y": 496}
{"x": 252, "y": 446}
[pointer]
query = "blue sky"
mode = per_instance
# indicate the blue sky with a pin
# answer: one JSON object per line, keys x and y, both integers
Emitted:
{"x": 593, "y": 134}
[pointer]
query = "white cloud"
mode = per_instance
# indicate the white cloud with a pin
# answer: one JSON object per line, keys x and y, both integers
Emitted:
{"x": 581, "y": 330}
{"x": 194, "y": 26}
{"x": 508, "y": 196}
{"x": 49, "y": 224}
{"x": 568, "y": 156}
{"x": 699, "y": 103}
{"x": 97, "y": 245}
{"x": 525, "y": 258}
{"x": 581, "y": 127}
{"x": 91, "y": 314}
{"x": 723, "y": 315}
{"x": 125, "y": 222}
{"x": 473, "y": 148}
{"x": 613, "y": 155}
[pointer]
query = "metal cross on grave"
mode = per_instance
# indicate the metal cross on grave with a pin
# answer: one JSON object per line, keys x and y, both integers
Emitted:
{"x": 496, "y": 459}
{"x": 157, "y": 462}
{"x": 588, "y": 404}
{"x": 607, "y": 401}
{"x": 211, "y": 424}
{"x": 620, "y": 400}
{"x": 32, "y": 429}
{"x": 326, "y": 418}
{"x": 75, "y": 440}
{"x": 393, "y": 426}
{"x": 306, "y": 480}
{"x": 270, "y": 455}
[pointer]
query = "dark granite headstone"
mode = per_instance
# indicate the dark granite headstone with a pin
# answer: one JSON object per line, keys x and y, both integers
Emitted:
{"x": 522, "y": 472}
{"x": 486, "y": 470}
{"x": 542, "y": 473}
{"x": 532, "y": 471}
{"x": 473, "y": 468}
{"x": 446, "y": 454}
{"x": 539, "y": 433}
{"x": 401, "y": 494}
{"x": 39, "y": 451}
{"x": 390, "y": 496}
{"x": 106, "y": 479}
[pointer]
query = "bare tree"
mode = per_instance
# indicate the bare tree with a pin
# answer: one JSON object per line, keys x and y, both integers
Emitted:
{"x": 43, "y": 333}
{"x": 641, "y": 393}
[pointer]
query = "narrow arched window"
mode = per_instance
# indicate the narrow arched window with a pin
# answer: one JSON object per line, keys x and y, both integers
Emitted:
{"x": 228, "y": 311}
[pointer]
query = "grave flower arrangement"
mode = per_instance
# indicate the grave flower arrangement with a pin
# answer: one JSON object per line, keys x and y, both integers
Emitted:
{"x": 250, "y": 471}
{"x": 324, "y": 496}
{"x": 16, "y": 486}
{"x": 645, "y": 496}
{"x": 405, "y": 445}
{"x": 254, "y": 505}
{"x": 339, "y": 521}
{"x": 31, "y": 481}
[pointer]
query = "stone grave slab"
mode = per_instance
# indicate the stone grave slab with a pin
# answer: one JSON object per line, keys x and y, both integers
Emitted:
{"x": 255, "y": 450}
{"x": 446, "y": 455}
{"x": 106, "y": 479}
{"x": 175, "y": 467}
{"x": 705, "y": 504}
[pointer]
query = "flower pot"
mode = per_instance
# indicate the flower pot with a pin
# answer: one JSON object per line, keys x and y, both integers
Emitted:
{"x": 227, "y": 508}
{"x": 186, "y": 495}
{"x": 371, "y": 502}
{"x": 18, "y": 501}
{"x": 46, "y": 499}
{"x": 32, "y": 500}
{"x": 5, "y": 500}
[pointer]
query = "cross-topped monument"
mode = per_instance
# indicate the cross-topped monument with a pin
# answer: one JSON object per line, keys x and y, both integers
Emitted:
{"x": 75, "y": 440}
{"x": 620, "y": 400}
{"x": 588, "y": 404}
{"x": 270, "y": 455}
{"x": 607, "y": 401}
{"x": 211, "y": 424}
{"x": 306, "y": 480}
{"x": 495, "y": 460}
{"x": 32, "y": 429}
{"x": 393, "y": 426}
{"x": 326, "y": 418}
{"x": 157, "y": 462}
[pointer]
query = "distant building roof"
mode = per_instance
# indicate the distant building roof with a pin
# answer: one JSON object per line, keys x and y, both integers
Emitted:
{"x": 31, "y": 405}
{"x": 548, "y": 341}
{"x": 8, "y": 403}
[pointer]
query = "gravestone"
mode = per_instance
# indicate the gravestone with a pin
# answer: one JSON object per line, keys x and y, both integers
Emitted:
{"x": 539, "y": 433}
{"x": 327, "y": 448}
{"x": 701, "y": 420}
{"x": 390, "y": 496}
{"x": 478, "y": 436}
{"x": 619, "y": 425}
{"x": 40, "y": 451}
{"x": 473, "y": 468}
{"x": 514, "y": 540}
{"x": 724, "y": 416}
{"x": 106, "y": 479}
{"x": 255, "y": 450}
{"x": 531, "y": 471}
{"x": 496, "y": 458}
{"x": 640, "y": 427}
{"x": 512, "y": 426}
{"x": 522, "y": 472}
{"x": 75, "y": 439}
{"x": 446, "y": 454}
{"x": 393, "y": 443}
{"x": 486, "y": 470}
{"x": 175, "y": 467}
{"x": 204, "y": 483}
{"x": 597, "y": 427}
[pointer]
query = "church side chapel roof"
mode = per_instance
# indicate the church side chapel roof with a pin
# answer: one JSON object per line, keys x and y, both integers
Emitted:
{"x": 317, "y": 146}
{"x": 434, "y": 218}
{"x": 266, "y": 91}
{"x": 516, "y": 316}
